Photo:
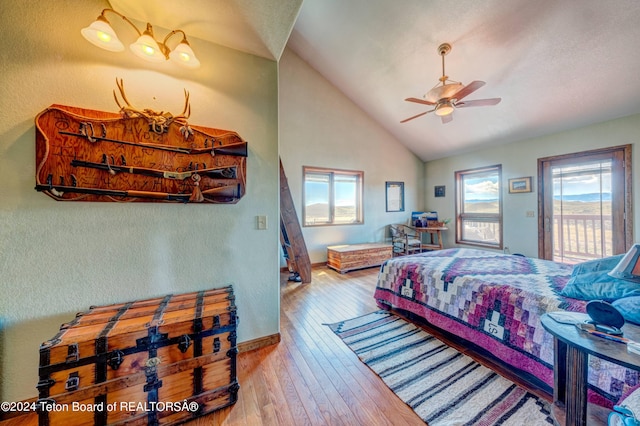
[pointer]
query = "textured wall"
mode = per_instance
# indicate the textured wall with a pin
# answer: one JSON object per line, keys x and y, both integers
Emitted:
{"x": 321, "y": 127}
{"x": 520, "y": 159}
{"x": 59, "y": 258}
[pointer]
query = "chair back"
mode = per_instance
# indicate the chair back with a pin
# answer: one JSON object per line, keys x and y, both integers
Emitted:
{"x": 395, "y": 231}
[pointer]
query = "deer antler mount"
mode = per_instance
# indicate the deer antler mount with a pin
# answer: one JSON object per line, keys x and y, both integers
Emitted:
{"x": 159, "y": 122}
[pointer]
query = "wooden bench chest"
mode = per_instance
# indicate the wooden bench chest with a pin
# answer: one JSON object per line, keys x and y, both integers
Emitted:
{"x": 344, "y": 258}
{"x": 157, "y": 361}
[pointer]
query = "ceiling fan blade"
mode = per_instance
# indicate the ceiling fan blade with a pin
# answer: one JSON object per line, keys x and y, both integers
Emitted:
{"x": 420, "y": 101}
{"x": 478, "y": 102}
{"x": 468, "y": 89}
{"x": 447, "y": 118}
{"x": 416, "y": 116}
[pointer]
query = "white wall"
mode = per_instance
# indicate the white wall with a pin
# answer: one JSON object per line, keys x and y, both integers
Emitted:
{"x": 520, "y": 159}
{"x": 320, "y": 126}
{"x": 59, "y": 258}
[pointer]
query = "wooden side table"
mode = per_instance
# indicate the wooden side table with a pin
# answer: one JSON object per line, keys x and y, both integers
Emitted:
{"x": 572, "y": 349}
{"x": 434, "y": 240}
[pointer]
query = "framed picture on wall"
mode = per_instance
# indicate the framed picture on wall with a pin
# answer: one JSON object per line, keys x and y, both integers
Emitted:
{"x": 522, "y": 184}
{"x": 395, "y": 196}
{"x": 439, "y": 191}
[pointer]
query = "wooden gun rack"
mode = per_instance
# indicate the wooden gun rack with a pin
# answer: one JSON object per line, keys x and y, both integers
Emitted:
{"x": 88, "y": 155}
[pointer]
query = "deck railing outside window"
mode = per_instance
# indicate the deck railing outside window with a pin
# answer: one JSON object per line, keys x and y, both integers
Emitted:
{"x": 577, "y": 238}
{"x": 481, "y": 232}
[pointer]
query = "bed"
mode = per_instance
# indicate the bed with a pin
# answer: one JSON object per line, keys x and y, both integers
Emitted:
{"x": 495, "y": 301}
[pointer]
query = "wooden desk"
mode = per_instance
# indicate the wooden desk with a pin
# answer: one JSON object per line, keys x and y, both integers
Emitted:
{"x": 434, "y": 240}
{"x": 572, "y": 348}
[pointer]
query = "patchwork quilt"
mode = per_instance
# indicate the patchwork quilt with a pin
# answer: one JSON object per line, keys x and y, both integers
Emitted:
{"x": 495, "y": 301}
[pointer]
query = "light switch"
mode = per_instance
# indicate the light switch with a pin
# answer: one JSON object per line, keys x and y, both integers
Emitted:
{"x": 531, "y": 213}
{"x": 261, "y": 222}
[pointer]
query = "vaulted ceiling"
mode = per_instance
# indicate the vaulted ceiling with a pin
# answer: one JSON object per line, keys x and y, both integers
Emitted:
{"x": 557, "y": 65}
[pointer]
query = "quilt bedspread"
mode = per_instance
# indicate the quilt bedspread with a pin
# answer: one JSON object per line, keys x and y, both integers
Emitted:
{"x": 495, "y": 301}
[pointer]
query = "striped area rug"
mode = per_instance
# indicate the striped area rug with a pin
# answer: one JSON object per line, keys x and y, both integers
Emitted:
{"x": 443, "y": 386}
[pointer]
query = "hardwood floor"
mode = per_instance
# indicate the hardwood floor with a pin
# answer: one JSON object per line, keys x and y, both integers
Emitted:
{"x": 311, "y": 377}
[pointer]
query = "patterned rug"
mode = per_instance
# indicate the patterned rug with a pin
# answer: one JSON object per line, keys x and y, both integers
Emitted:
{"x": 443, "y": 386}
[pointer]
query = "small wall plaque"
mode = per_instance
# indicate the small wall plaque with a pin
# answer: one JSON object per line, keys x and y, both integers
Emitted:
{"x": 522, "y": 184}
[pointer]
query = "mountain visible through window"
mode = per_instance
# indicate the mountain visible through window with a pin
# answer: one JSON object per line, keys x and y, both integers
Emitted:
{"x": 332, "y": 197}
{"x": 479, "y": 207}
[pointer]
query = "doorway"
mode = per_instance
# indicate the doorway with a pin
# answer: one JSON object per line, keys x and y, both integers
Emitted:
{"x": 585, "y": 205}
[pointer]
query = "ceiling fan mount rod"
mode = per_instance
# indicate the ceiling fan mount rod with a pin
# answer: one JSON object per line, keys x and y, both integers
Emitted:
{"x": 444, "y": 50}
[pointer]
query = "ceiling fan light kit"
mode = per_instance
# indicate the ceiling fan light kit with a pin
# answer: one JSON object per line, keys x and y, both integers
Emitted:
{"x": 446, "y": 96}
{"x": 444, "y": 108}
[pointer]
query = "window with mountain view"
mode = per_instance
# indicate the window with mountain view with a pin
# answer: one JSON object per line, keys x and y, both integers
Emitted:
{"x": 332, "y": 197}
{"x": 584, "y": 199}
{"x": 479, "y": 207}
{"x": 582, "y": 193}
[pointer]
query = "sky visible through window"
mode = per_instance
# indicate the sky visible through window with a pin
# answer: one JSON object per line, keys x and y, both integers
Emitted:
{"x": 345, "y": 192}
{"x": 580, "y": 183}
{"x": 481, "y": 188}
{"x": 584, "y": 182}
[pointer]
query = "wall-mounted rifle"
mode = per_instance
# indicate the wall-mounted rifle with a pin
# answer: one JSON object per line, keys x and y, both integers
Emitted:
{"x": 238, "y": 149}
{"x": 212, "y": 172}
{"x": 160, "y": 146}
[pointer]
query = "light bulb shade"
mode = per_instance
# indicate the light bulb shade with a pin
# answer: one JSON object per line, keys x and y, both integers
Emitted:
{"x": 629, "y": 267}
{"x": 444, "y": 109}
{"x": 102, "y": 35}
{"x": 147, "y": 48}
{"x": 184, "y": 56}
{"x": 444, "y": 91}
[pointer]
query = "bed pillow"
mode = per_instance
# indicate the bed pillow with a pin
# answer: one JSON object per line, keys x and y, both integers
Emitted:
{"x": 596, "y": 265}
{"x": 629, "y": 307}
{"x": 597, "y": 284}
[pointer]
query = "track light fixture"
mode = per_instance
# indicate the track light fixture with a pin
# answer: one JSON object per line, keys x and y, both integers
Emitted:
{"x": 101, "y": 34}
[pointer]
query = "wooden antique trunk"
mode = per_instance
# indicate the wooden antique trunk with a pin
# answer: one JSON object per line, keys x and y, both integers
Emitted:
{"x": 345, "y": 258}
{"x": 157, "y": 361}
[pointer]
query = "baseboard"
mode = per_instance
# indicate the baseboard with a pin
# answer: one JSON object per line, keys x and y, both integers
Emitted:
{"x": 313, "y": 265}
{"x": 258, "y": 343}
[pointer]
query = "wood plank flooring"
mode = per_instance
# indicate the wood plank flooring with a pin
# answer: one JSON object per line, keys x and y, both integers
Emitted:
{"x": 311, "y": 377}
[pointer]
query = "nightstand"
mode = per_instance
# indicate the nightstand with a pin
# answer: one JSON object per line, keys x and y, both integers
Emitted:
{"x": 572, "y": 348}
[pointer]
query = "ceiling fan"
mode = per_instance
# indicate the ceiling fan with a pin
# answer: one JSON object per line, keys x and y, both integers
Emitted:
{"x": 448, "y": 96}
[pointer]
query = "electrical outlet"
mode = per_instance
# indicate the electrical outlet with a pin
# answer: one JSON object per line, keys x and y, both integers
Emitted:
{"x": 261, "y": 222}
{"x": 531, "y": 213}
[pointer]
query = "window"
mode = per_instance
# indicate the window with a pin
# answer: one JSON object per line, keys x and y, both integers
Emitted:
{"x": 331, "y": 197}
{"x": 479, "y": 207}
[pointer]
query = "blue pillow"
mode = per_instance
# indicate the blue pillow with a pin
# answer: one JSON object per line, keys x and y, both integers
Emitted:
{"x": 589, "y": 281}
{"x": 629, "y": 307}
{"x": 599, "y": 286}
{"x": 604, "y": 264}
